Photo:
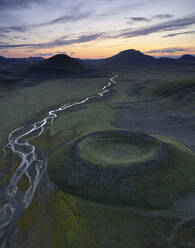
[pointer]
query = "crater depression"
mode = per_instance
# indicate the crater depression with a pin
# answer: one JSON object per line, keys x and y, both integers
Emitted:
{"x": 120, "y": 167}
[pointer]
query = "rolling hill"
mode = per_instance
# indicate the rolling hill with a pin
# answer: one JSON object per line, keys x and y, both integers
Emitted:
{"x": 63, "y": 64}
{"x": 133, "y": 57}
{"x": 19, "y": 61}
{"x": 59, "y": 63}
{"x": 187, "y": 58}
{"x": 130, "y": 56}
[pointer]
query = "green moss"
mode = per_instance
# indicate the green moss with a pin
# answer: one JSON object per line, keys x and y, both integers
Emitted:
{"x": 7, "y": 167}
{"x": 157, "y": 187}
{"x": 116, "y": 149}
{"x": 49, "y": 144}
{"x": 176, "y": 180}
{"x": 175, "y": 95}
{"x": 24, "y": 183}
{"x": 62, "y": 220}
{"x": 17, "y": 109}
{"x": 93, "y": 115}
{"x": 172, "y": 87}
{"x": 175, "y": 142}
{"x": 116, "y": 228}
{"x": 54, "y": 223}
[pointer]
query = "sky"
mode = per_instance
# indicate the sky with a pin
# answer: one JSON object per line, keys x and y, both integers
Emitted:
{"x": 96, "y": 28}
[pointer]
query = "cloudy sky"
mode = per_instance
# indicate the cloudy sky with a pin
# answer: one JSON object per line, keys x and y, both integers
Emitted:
{"x": 96, "y": 28}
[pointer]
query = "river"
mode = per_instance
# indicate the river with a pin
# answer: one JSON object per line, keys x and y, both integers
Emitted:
{"x": 19, "y": 144}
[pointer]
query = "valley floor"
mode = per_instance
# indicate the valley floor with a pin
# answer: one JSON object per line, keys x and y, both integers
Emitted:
{"x": 157, "y": 101}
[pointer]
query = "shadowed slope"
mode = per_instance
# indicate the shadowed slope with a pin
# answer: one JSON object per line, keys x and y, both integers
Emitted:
{"x": 155, "y": 179}
{"x": 59, "y": 63}
{"x": 131, "y": 56}
{"x": 179, "y": 93}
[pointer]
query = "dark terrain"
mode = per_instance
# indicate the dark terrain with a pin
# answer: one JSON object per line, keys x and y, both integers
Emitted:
{"x": 153, "y": 97}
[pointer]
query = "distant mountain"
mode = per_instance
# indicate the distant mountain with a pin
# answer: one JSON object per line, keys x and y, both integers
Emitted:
{"x": 130, "y": 57}
{"x": 166, "y": 60}
{"x": 59, "y": 63}
{"x": 123, "y": 59}
{"x": 20, "y": 61}
{"x": 187, "y": 58}
{"x": 2, "y": 58}
{"x": 62, "y": 63}
{"x": 134, "y": 57}
{"x": 31, "y": 59}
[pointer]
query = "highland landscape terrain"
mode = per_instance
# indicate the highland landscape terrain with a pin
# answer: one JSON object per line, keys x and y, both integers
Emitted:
{"x": 114, "y": 170}
{"x": 97, "y": 124}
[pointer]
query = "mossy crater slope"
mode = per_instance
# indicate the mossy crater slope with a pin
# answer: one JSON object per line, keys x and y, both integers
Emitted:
{"x": 112, "y": 148}
{"x": 119, "y": 167}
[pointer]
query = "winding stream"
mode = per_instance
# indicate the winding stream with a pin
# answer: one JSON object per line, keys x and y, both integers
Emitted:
{"x": 30, "y": 166}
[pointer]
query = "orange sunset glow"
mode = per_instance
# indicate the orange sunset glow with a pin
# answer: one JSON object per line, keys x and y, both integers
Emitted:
{"x": 86, "y": 29}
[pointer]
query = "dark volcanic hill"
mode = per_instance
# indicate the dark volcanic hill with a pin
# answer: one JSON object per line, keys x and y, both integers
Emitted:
{"x": 130, "y": 57}
{"x": 20, "y": 61}
{"x": 59, "y": 63}
{"x": 133, "y": 57}
{"x": 123, "y": 59}
{"x": 187, "y": 58}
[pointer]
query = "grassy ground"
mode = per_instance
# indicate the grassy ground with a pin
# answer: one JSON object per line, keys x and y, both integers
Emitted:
{"x": 108, "y": 150}
{"x": 158, "y": 187}
{"x": 62, "y": 220}
{"x": 176, "y": 95}
{"x": 49, "y": 222}
{"x": 23, "y": 105}
{"x": 137, "y": 109}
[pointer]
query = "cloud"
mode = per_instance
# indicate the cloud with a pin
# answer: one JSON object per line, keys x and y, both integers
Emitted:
{"x": 55, "y": 43}
{"x": 137, "y": 19}
{"x": 7, "y": 4}
{"x": 10, "y": 29}
{"x": 175, "y": 24}
{"x": 144, "y": 19}
{"x": 72, "y": 53}
{"x": 61, "y": 19}
{"x": 3, "y": 43}
{"x": 176, "y": 34}
{"x": 18, "y": 28}
{"x": 162, "y": 16}
{"x": 44, "y": 54}
{"x": 65, "y": 19}
{"x": 3, "y": 36}
{"x": 170, "y": 50}
{"x": 113, "y": 10}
